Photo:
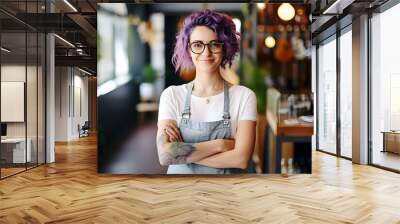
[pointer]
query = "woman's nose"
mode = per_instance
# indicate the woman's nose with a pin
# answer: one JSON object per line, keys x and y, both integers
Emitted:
{"x": 207, "y": 50}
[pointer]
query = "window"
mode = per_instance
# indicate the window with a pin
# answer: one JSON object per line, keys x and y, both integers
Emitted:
{"x": 346, "y": 93}
{"x": 22, "y": 77}
{"x": 327, "y": 96}
{"x": 385, "y": 87}
{"x": 114, "y": 35}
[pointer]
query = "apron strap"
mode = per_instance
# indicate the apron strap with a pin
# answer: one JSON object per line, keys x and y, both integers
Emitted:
{"x": 226, "y": 115}
{"x": 186, "y": 111}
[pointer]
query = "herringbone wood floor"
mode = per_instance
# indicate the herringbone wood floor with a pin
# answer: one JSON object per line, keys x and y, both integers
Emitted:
{"x": 71, "y": 191}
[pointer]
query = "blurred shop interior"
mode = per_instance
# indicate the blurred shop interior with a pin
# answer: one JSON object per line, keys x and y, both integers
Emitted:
{"x": 135, "y": 45}
{"x": 331, "y": 59}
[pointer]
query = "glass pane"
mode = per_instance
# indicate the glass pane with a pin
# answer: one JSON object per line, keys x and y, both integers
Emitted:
{"x": 31, "y": 84}
{"x": 385, "y": 86}
{"x": 41, "y": 99}
{"x": 327, "y": 97}
{"x": 31, "y": 97}
{"x": 13, "y": 87}
{"x": 345, "y": 94}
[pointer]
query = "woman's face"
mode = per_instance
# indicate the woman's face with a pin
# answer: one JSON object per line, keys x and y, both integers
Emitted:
{"x": 210, "y": 59}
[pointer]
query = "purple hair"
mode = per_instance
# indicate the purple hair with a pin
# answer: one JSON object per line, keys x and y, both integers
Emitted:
{"x": 220, "y": 23}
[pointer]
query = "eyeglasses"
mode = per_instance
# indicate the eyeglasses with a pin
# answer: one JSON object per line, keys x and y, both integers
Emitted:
{"x": 198, "y": 47}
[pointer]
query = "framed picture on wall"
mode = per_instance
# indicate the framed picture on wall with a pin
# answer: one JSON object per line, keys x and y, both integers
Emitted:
{"x": 12, "y": 101}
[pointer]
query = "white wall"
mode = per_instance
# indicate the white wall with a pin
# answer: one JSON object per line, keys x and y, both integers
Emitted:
{"x": 80, "y": 89}
{"x": 33, "y": 126}
{"x": 14, "y": 73}
{"x": 61, "y": 103}
{"x": 71, "y": 93}
{"x": 17, "y": 73}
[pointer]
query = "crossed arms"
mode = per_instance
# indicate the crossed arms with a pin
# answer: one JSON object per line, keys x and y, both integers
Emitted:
{"x": 218, "y": 153}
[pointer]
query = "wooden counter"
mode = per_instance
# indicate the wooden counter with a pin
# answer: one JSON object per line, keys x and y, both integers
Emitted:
{"x": 299, "y": 129}
{"x": 282, "y": 132}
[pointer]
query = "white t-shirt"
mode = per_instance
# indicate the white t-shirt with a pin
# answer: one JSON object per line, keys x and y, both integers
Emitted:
{"x": 242, "y": 105}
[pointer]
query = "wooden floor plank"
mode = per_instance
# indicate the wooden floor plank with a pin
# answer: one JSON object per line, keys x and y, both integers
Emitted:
{"x": 71, "y": 191}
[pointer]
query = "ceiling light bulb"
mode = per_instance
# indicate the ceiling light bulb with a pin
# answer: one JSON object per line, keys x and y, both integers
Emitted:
{"x": 286, "y": 11}
{"x": 269, "y": 42}
{"x": 261, "y": 6}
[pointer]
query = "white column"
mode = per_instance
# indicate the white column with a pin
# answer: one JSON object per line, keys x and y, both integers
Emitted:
{"x": 50, "y": 92}
{"x": 360, "y": 90}
{"x": 50, "y": 99}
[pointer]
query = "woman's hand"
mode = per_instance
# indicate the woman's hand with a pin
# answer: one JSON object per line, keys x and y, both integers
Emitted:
{"x": 173, "y": 133}
{"x": 243, "y": 149}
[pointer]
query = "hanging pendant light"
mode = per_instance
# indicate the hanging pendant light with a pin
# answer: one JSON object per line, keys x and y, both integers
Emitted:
{"x": 261, "y": 6}
{"x": 286, "y": 11}
{"x": 269, "y": 42}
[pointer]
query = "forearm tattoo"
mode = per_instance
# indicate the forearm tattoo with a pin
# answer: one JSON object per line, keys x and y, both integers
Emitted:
{"x": 178, "y": 152}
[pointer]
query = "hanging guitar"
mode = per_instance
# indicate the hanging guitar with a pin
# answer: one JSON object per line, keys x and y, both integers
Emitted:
{"x": 284, "y": 54}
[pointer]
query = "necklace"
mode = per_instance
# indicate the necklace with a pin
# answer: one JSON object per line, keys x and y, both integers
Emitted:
{"x": 207, "y": 99}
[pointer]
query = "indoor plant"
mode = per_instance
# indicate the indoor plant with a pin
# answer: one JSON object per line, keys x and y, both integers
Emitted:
{"x": 149, "y": 75}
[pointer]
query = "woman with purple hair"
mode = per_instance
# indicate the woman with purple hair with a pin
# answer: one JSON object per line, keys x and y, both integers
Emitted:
{"x": 206, "y": 126}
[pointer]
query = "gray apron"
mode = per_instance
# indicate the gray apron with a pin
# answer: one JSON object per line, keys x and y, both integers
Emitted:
{"x": 195, "y": 131}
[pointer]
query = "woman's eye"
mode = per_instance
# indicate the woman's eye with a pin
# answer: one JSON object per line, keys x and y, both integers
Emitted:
{"x": 216, "y": 45}
{"x": 197, "y": 45}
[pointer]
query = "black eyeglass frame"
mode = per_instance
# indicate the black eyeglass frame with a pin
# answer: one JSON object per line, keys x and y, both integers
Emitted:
{"x": 208, "y": 45}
